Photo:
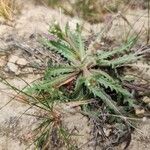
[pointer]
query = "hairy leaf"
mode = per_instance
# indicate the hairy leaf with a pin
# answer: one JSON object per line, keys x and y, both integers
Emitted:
{"x": 105, "y": 98}
{"x": 58, "y": 70}
{"x": 63, "y": 50}
{"x": 126, "y": 47}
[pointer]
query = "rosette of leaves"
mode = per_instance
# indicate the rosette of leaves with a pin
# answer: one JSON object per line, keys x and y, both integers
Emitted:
{"x": 92, "y": 74}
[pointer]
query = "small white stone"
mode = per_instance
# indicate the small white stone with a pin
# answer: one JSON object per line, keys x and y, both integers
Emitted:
{"x": 3, "y": 61}
{"x": 146, "y": 99}
{"x": 13, "y": 58}
{"x": 107, "y": 131}
{"x": 38, "y": 61}
{"x": 144, "y": 119}
{"x": 27, "y": 70}
{"x": 102, "y": 43}
{"x": 18, "y": 72}
{"x": 21, "y": 61}
{"x": 12, "y": 67}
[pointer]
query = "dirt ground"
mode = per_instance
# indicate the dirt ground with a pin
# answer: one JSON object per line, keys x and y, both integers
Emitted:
{"x": 23, "y": 63}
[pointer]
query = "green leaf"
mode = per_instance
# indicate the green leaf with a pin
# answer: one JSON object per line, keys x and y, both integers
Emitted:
{"x": 51, "y": 85}
{"x": 107, "y": 81}
{"x": 78, "y": 90}
{"x": 126, "y": 47}
{"x": 58, "y": 70}
{"x": 103, "y": 73}
{"x": 63, "y": 50}
{"x": 104, "y": 97}
{"x": 123, "y": 60}
{"x": 56, "y": 81}
{"x": 113, "y": 86}
{"x": 76, "y": 41}
{"x": 119, "y": 61}
{"x": 130, "y": 101}
{"x": 81, "y": 46}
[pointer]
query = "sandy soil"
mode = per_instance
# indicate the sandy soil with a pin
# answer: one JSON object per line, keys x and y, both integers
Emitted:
{"x": 32, "y": 21}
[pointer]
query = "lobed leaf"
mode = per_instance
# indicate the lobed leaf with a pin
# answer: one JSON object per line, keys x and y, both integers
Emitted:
{"x": 58, "y": 70}
{"x": 104, "y": 97}
{"x": 126, "y": 47}
{"x": 63, "y": 50}
{"x": 114, "y": 86}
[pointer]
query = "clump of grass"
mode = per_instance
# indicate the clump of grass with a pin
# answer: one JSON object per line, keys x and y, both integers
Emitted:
{"x": 50, "y": 133}
{"x": 7, "y": 8}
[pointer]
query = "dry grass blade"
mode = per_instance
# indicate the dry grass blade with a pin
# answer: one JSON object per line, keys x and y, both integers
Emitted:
{"x": 146, "y": 66}
{"x": 67, "y": 81}
{"x": 7, "y": 8}
{"x": 70, "y": 105}
{"x": 148, "y": 32}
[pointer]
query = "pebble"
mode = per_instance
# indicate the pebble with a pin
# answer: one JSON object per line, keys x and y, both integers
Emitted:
{"x": 12, "y": 67}
{"x": 17, "y": 60}
{"x": 3, "y": 61}
{"x": 13, "y": 58}
{"x": 21, "y": 61}
{"x": 139, "y": 112}
{"x": 146, "y": 99}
